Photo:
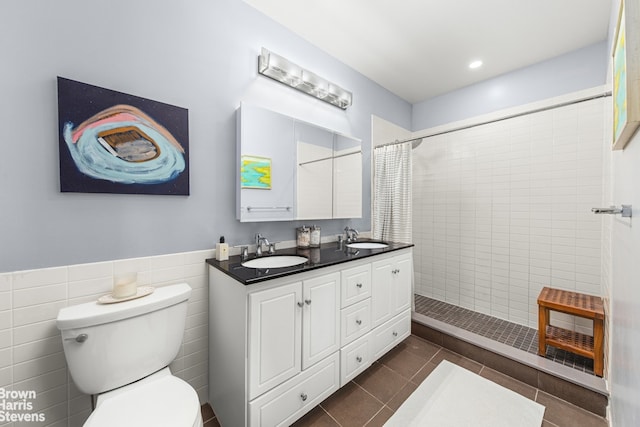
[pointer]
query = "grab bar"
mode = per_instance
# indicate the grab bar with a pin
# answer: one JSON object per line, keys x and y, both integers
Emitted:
{"x": 625, "y": 211}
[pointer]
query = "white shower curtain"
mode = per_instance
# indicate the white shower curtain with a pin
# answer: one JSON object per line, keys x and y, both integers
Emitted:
{"x": 392, "y": 193}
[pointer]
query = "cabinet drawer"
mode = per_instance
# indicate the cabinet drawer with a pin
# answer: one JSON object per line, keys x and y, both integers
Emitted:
{"x": 355, "y": 321}
{"x": 355, "y": 358}
{"x": 292, "y": 399}
{"x": 356, "y": 284}
{"x": 389, "y": 334}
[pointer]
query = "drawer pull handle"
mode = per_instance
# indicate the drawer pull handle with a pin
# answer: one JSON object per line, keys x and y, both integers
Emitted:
{"x": 395, "y": 334}
{"x": 359, "y": 359}
{"x": 300, "y": 304}
{"x": 307, "y": 301}
{"x": 303, "y": 396}
{"x": 358, "y": 285}
{"x": 396, "y": 271}
{"x": 359, "y": 322}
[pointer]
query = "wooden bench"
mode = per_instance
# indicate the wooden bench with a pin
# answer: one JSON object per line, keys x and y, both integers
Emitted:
{"x": 577, "y": 304}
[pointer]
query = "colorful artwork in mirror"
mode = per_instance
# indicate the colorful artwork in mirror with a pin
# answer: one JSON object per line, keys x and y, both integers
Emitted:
{"x": 255, "y": 172}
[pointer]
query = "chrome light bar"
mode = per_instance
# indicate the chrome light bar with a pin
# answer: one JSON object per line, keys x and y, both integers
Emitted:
{"x": 286, "y": 72}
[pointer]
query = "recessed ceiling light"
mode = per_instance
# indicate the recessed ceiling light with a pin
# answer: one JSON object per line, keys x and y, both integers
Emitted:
{"x": 475, "y": 64}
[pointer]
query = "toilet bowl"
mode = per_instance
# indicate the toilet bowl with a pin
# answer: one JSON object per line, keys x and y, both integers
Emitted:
{"x": 158, "y": 400}
{"x": 120, "y": 353}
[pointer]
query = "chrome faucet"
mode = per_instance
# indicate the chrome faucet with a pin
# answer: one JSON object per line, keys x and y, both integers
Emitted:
{"x": 352, "y": 234}
{"x": 260, "y": 240}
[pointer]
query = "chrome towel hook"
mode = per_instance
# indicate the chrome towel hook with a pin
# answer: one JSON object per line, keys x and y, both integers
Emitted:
{"x": 625, "y": 211}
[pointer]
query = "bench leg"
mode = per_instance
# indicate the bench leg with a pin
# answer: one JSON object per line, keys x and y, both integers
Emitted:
{"x": 598, "y": 350}
{"x": 543, "y": 321}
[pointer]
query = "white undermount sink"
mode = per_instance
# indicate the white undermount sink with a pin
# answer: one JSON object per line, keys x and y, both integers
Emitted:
{"x": 367, "y": 245}
{"x": 275, "y": 261}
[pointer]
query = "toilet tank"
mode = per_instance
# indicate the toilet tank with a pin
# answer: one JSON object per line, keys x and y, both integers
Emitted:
{"x": 125, "y": 341}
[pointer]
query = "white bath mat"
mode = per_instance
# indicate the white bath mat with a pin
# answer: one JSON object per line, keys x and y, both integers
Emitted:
{"x": 452, "y": 396}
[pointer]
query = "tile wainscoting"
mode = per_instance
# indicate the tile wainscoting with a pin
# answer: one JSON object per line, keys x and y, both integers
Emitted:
{"x": 31, "y": 354}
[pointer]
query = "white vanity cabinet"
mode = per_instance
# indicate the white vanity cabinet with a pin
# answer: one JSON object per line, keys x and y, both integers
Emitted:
{"x": 279, "y": 347}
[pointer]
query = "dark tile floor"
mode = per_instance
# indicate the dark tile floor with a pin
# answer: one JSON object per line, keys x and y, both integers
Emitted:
{"x": 512, "y": 334}
{"x": 372, "y": 397}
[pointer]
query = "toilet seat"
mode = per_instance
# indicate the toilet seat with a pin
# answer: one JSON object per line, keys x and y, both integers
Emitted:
{"x": 157, "y": 400}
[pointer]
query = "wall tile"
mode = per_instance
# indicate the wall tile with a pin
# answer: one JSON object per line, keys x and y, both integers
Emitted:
{"x": 39, "y": 295}
{"x": 36, "y": 349}
{"x": 5, "y": 301}
{"x": 89, "y": 271}
{"x": 6, "y": 377}
{"x": 6, "y": 359}
{"x": 34, "y": 332}
{"x": 47, "y": 381}
{"x": 93, "y": 286}
{"x": 37, "y": 313}
{"x": 5, "y": 338}
{"x": 37, "y": 278}
{"x": 39, "y": 366}
{"x": 5, "y": 282}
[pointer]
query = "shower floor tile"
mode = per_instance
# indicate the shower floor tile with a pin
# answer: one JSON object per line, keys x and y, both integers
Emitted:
{"x": 512, "y": 334}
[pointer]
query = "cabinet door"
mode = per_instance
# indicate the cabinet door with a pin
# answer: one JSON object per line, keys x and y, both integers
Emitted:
{"x": 391, "y": 287}
{"x": 382, "y": 299}
{"x": 321, "y": 318}
{"x": 274, "y": 336}
{"x": 402, "y": 275}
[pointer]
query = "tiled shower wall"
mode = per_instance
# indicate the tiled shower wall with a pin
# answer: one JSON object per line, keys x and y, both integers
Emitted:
{"x": 31, "y": 355}
{"x": 503, "y": 209}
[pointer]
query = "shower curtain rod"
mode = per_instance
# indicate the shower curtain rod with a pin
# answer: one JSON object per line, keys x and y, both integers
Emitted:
{"x": 511, "y": 116}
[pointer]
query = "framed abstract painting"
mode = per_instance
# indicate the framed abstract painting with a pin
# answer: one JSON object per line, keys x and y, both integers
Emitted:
{"x": 626, "y": 74}
{"x": 112, "y": 142}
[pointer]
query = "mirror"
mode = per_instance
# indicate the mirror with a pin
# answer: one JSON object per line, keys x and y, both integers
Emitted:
{"x": 347, "y": 177}
{"x": 290, "y": 169}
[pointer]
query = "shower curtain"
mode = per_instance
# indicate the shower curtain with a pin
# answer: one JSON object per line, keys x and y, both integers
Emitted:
{"x": 392, "y": 193}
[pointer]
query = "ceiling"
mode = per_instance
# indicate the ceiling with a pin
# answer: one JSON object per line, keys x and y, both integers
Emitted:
{"x": 419, "y": 49}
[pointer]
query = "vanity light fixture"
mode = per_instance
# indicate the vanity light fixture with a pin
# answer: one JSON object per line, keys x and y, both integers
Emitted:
{"x": 281, "y": 69}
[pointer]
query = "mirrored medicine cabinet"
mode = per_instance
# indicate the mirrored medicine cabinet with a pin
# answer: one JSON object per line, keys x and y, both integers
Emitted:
{"x": 289, "y": 169}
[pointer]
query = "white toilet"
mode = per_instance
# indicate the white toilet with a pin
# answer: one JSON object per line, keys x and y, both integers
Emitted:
{"x": 121, "y": 352}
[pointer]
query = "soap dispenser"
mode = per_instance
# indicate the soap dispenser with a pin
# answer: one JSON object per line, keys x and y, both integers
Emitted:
{"x": 222, "y": 250}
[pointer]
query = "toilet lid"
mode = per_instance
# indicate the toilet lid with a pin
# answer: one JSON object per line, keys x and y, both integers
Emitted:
{"x": 167, "y": 401}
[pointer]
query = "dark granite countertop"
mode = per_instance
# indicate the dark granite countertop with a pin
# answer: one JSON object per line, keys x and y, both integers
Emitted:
{"x": 326, "y": 255}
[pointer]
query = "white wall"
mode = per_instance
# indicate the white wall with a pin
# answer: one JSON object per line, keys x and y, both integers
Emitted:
{"x": 571, "y": 72}
{"x": 503, "y": 209}
{"x": 624, "y": 344}
{"x": 31, "y": 355}
{"x": 201, "y": 56}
